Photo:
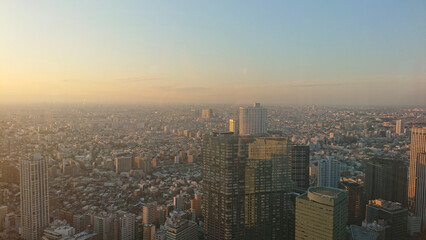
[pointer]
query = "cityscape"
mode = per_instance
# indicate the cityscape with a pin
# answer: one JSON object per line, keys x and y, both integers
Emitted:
{"x": 194, "y": 120}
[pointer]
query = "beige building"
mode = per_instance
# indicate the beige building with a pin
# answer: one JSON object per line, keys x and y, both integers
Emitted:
{"x": 321, "y": 214}
{"x": 418, "y": 145}
{"x": 253, "y": 120}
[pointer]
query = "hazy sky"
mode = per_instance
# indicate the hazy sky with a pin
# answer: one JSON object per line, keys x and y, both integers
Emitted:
{"x": 287, "y": 52}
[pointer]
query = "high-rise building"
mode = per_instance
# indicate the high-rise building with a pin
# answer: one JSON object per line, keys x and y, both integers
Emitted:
{"x": 148, "y": 232}
{"x": 182, "y": 229}
{"x": 127, "y": 226}
{"x": 233, "y": 125}
{"x": 253, "y": 120}
{"x": 321, "y": 214}
{"x": 328, "y": 173}
{"x": 246, "y": 184}
{"x": 386, "y": 178}
{"x": 207, "y": 113}
{"x": 399, "y": 128}
{"x": 420, "y": 210}
{"x": 149, "y": 213}
{"x": 300, "y": 166}
{"x": 418, "y": 145}
{"x": 356, "y": 202}
{"x": 34, "y": 197}
{"x": 391, "y": 214}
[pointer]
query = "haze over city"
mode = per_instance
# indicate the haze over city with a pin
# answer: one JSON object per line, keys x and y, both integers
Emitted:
{"x": 289, "y": 52}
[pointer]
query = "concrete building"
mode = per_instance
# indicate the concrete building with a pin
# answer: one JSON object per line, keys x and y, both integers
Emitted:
{"x": 253, "y": 120}
{"x": 420, "y": 199}
{"x": 391, "y": 214}
{"x": 386, "y": 178}
{"x": 149, "y": 213}
{"x": 207, "y": 113}
{"x": 182, "y": 229}
{"x": 321, "y": 214}
{"x": 234, "y": 125}
{"x": 148, "y": 232}
{"x": 328, "y": 173}
{"x": 123, "y": 164}
{"x": 399, "y": 128}
{"x": 418, "y": 145}
{"x": 34, "y": 197}
{"x": 127, "y": 226}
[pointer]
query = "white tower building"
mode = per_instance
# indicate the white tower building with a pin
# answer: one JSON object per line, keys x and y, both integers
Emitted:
{"x": 253, "y": 120}
{"x": 34, "y": 197}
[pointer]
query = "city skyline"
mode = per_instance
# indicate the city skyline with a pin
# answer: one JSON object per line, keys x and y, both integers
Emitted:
{"x": 363, "y": 52}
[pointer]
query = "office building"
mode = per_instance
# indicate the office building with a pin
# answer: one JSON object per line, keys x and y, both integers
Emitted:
{"x": 418, "y": 145}
{"x": 148, "y": 232}
{"x": 127, "y": 226}
{"x": 3, "y": 213}
{"x": 182, "y": 229}
{"x": 420, "y": 199}
{"x": 356, "y": 202}
{"x": 246, "y": 184}
{"x": 300, "y": 166}
{"x": 328, "y": 173}
{"x": 34, "y": 197}
{"x": 321, "y": 214}
{"x": 253, "y": 120}
{"x": 388, "y": 213}
{"x": 123, "y": 164}
{"x": 399, "y": 128}
{"x": 149, "y": 213}
{"x": 233, "y": 125}
{"x": 386, "y": 178}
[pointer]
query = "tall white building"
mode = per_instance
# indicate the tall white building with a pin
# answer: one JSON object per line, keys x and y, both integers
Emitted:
{"x": 399, "y": 127}
{"x": 328, "y": 173}
{"x": 34, "y": 197}
{"x": 253, "y": 120}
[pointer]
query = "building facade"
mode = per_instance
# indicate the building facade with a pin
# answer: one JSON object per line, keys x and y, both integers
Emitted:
{"x": 421, "y": 189}
{"x": 300, "y": 166}
{"x": 321, "y": 214}
{"x": 386, "y": 178}
{"x": 356, "y": 202}
{"x": 34, "y": 197}
{"x": 418, "y": 145}
{"x": 253, "y": 120}
{"x": 328, "y": 173}
{"x": 246, "y": 187}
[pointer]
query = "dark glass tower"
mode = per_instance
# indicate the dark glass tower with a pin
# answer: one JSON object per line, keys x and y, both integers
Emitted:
{"x": 356, "y": 202}
{"x": 246, "y": 185}
{"x": 386, "y": 178}
{"x": 300, "y": 166}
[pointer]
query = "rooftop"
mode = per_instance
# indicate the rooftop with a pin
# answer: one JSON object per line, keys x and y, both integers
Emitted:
{"x": 325, "y": 191}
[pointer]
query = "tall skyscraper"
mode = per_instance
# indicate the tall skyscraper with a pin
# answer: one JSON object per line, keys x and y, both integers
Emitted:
{"x": 399, "y": 128}
{"x": 127, "y": 226}
{"x": 421, "y": 189}
{"x": 253, "y": 120}
{"x": 328, "y": 173}
{"x": 418, "y": 145}
{"x": 388, "y": 213}
{"x": 233, "y": 125}
{"x": 34, "y": 197}
{"x": 386, "y": 178}
{"x": 300, "y": 166}
{"x": 356, "y": 202}
{"x": 321, "y": 214}
{"x": 246, "y": 184}
{"x": 149, "y": 213}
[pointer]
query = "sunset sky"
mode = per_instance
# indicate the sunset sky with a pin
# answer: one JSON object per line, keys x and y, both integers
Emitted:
{"x": 274, "y": 52}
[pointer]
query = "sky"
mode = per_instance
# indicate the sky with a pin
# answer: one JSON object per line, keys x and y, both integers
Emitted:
{"x": 274, "y": 52}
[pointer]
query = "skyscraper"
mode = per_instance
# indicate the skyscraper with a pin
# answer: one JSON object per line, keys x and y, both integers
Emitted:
{"x": 389, "y": 213}
{"x": 399, "y": 128}
{"x": 386, "y": 178}
{"x": 149, "y": 213}
{"x": 418, "y": 145}
{"x": 300, "y": 166}
{"x": 34, "y": 197}
{"x": 328, "y": 173}
{"x": 253, "y": 120}
{"x": 246, "y": 184}
{"x": 421, "y": 189}
{"x": 356, "y": 202}
{"x": 127, "y": 226}
{"x": 233, "y": 125}
{"x": 321, "y": 214}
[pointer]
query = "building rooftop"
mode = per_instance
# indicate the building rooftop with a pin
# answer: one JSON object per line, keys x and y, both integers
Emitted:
{"x": 325, "y": 191}
{"x": 387, "y": 205}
